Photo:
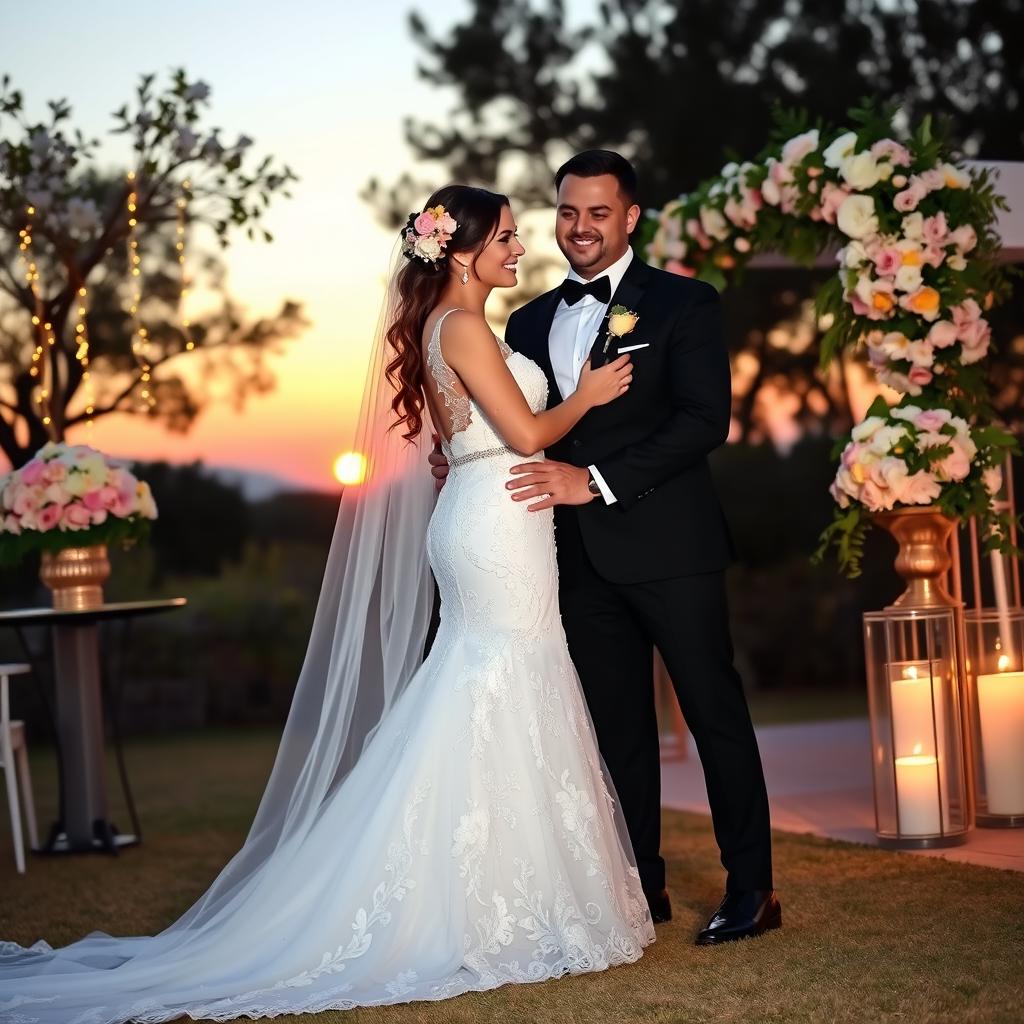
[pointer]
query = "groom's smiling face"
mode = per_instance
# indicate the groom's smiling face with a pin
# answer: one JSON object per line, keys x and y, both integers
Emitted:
{"x": 593, "y": 222}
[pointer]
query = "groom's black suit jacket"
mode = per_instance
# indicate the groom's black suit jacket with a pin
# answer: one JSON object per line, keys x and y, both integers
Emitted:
{"x": 650, "y": 445}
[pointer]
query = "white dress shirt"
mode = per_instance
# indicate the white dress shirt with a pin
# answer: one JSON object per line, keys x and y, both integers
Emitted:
{"x": 573, "y": 333}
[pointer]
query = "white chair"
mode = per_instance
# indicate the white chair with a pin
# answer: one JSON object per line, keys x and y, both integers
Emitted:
{"x": 14, "y": 761}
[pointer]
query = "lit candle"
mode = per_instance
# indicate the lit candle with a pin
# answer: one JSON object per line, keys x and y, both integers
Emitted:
{"x": 1001, "y": 718}
{"x": 917, "y": 796}
{"x": 913, "y": 694}
{"x": 1002, "y": 602}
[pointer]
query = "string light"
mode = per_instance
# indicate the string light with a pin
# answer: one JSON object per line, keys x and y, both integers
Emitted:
{"x": 140, "y": 336}
{"x": 82, "y": 353}
{"x": 41, "y": 367}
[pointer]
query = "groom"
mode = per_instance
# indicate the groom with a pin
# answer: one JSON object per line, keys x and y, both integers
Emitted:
{"x": 642, "y": 542}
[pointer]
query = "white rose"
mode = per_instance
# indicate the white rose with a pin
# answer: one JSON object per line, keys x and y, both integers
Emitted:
{"x": 866, "y": 428}
{"x": 147, "y": 506}
{"x": 856, "y": 217}
{"x": 839, "y": 149}
{"x": 861, "y": 171}
{"x": 713, "y": 223}
{"x": 428, "y": 248}
{"x": 913, "y": 226}
{"x": 956, "y": 261}
{"x": 906, "y": 412}
{"x": 992, "y": 478}
{"x": 908, "y": 278}
{"x": 854, "y": 255}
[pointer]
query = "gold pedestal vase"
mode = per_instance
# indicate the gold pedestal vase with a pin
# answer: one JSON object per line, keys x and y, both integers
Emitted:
{"x": 75, "y": 576}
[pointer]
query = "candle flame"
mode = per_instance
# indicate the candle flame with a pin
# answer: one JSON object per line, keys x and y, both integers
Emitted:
{"x": 910, "y": 673}
{"x": 1004, "y": 662}
{"x": 918, "y": 749}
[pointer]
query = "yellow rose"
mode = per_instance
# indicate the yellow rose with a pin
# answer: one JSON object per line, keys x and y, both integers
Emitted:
{"x": 924, "y": 301}
{"x": 912, "y": 258}
{"x": 882, "y": 301}
{"x": 621, "y": 323}
{"x": 857, "y": 472}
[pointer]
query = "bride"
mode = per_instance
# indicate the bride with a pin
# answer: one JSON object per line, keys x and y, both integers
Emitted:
{"x": 431, "y": 826}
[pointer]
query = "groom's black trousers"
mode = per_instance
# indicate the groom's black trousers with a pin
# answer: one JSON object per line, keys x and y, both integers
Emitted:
{"x": 611, "y": 629}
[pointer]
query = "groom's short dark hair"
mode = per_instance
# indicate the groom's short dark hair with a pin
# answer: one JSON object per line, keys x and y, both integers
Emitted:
{"x": 592, "y": 163}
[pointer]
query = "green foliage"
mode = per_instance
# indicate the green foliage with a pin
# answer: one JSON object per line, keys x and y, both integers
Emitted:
{"x": 114, "y": 532}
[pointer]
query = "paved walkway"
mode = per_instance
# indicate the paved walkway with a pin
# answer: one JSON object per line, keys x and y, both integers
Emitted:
{"x": 819, "y": 781}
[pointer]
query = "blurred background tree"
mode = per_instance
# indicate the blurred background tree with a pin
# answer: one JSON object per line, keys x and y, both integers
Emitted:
{"x": 680, "y": 86}
{"x": 94, "y": 269}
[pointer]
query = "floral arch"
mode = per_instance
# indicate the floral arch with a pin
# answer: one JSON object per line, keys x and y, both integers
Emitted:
{"x": 918, "y": 270}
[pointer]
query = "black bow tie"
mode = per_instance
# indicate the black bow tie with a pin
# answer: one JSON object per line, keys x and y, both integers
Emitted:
{"x": 573, "y": 291}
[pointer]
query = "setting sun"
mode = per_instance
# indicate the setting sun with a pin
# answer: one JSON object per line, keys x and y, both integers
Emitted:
{"x": 350, "y": 468}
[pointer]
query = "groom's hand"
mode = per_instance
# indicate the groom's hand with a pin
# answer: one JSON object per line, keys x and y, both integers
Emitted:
{"x": 556, "y": 483}
{"x": 438, "y": 463}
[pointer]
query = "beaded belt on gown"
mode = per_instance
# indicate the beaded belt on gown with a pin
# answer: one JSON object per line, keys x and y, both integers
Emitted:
{"x": 486, "y": 453}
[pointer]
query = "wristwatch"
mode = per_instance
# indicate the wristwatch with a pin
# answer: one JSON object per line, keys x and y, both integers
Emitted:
{"x": 592, "y": 485}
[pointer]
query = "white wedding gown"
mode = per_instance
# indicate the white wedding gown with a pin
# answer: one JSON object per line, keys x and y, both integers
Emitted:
{"x": 475, "y": 842}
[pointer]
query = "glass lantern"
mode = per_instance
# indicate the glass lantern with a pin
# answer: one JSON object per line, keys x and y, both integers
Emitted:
{"x": 995, "y": 669}
{"x": 918, "y": 762}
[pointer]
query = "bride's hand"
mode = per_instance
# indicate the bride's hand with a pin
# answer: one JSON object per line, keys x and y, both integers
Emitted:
{"x": 600, "y": 386}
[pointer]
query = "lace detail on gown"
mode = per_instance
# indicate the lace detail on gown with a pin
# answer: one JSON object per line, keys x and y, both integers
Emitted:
{"x": 460, "y": 406}
{"x": 475, "y": 843}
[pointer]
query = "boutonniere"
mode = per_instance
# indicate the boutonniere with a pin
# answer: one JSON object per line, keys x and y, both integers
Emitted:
{"x": 621, "y": 322}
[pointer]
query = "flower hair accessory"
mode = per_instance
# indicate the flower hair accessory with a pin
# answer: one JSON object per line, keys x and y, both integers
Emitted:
{"x": 426, "y": 234}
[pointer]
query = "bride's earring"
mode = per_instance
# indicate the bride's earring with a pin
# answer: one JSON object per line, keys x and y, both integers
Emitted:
{"x": 465, "y": 275}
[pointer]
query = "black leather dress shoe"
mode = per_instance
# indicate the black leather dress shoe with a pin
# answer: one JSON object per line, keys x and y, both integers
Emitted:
{"x": 661, "y": 909}
{"x": 742, "y": 915}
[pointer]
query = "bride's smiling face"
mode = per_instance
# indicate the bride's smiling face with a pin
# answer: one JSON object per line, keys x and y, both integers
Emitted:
{"x": 593, "y": 222}
{"x": 495, "y": 264}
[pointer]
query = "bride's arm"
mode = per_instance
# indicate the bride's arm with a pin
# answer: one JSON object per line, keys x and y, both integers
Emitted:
{"x": 469, "y": 348}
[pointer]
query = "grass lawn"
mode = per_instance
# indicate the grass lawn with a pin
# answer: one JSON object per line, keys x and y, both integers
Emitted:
{"x": 869, "y": 936}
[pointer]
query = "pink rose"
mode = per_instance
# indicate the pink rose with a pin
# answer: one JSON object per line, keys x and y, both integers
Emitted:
{"x": 888, "y": 260}
{"x": 448, "y": 224}
{"x": 56, "y": 494}
{"x": 55, "y": 472}
{"x": 832, "y": 197}
{"x": 931, "y": 419}
{"x": 871, "y": 496}
{"x": 933, "y": 255}
{"x": 956, "y": 465}
{"x": 921, "y": 488}
{"x": 932, "y": 180}
{"x": 965, "y": 238}
{"x": 942, "y": 334}
{"x": 891, "y": 150}
{"x": 76, "y": 517}
{"x": 974, "y": 337}
{"x": 425, "y": 224}
{"x": 12, "y": 524}
{"x": 920, "y": 376}
{"x": 32, "y": 472}
{"x": 799, "y": 146}
{"x": 935, "y": 228}
{"x": 48, "y": 517}
{"x": 908, "y": 199}
{"x": 27, "y": 499}
{"x": 94, "y": 500}
{"x": 99, "y": 517}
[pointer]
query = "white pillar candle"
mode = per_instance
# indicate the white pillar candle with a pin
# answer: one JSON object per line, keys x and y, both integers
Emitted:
{"x": 913, "y": 693}
{"x": 917, "y": 796}
{"x": 1001, "y": 720}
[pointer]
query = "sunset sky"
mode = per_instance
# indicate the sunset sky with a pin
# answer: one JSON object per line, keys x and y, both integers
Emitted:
{"x": 325, "y": 92}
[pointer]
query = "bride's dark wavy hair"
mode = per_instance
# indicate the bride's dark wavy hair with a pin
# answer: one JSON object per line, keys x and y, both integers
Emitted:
{"x": 420, "y": 284}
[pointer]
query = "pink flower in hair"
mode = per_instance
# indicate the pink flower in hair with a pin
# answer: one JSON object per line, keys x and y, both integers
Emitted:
{"x": 425, "y": 223}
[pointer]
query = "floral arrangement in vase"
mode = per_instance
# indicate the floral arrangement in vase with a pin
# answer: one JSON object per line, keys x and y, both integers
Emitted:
{"x": 71, "y": 496}
{"x": 916, "y": 247}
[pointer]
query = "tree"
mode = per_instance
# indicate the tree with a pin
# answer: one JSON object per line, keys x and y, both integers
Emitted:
{"x": 94, "y": 267}
{"x": 680, "y": 86}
